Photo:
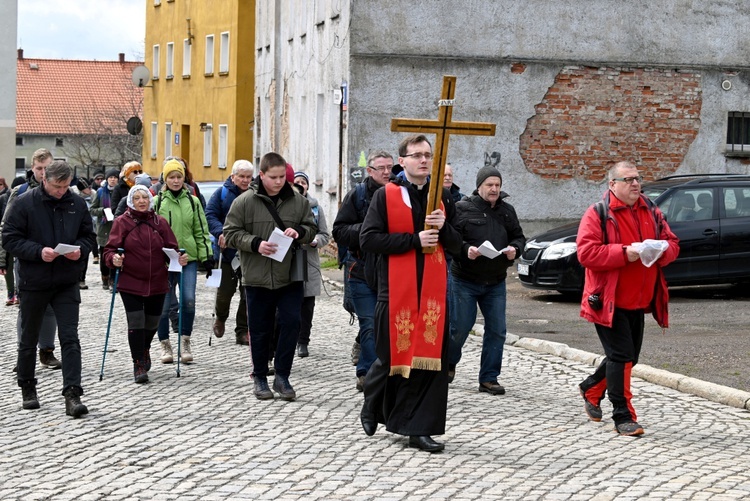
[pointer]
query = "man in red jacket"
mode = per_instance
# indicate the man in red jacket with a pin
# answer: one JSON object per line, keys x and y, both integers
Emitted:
{"x": 619, "y": 289}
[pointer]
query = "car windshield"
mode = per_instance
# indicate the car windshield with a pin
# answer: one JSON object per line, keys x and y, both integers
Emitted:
{"x": 653, "y": 192}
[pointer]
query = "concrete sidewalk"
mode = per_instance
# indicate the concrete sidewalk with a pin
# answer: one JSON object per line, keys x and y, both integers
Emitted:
{"x": 204, "y": 436}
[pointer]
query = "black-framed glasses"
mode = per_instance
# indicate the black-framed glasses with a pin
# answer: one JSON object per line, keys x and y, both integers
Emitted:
{"x": 426, "y": 156}
{"x": 380, "y": 169}
{"x": 629, "y": 180}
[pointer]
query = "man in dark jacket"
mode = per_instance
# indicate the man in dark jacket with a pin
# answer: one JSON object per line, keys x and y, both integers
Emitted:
{"x": 216, "y": 213}
{"x": 35, "y": 226}
{"x": 478, "y": 278}
{"x": 346, "y": 229}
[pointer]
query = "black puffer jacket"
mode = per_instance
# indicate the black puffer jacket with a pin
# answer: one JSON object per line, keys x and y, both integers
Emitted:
{"x": 477, "y": 222}
{"x": 37, "y": 220}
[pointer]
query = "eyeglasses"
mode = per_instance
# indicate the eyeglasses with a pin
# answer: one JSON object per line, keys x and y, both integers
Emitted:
{"x": 629, "y": 180}
{"x": 418, "y": 156}
{"x": 380, "y": 169}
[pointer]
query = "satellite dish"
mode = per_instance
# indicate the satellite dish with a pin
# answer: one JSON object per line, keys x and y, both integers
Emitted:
{"x": 140, "y": 76}
{"x": 135, "y": 126}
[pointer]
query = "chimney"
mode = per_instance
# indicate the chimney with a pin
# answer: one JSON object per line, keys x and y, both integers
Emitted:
{"x": 122, "y": 57}
{"x": 20, "y": 53}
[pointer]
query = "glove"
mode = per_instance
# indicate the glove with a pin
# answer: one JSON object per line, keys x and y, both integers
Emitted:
{"x": 208, "y": 265}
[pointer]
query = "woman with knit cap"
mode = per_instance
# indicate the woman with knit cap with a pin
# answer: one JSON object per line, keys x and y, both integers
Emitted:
{"x": 102, "y": 201}
{"x": 143, "y": 281}
{"x": 185, "y": 215}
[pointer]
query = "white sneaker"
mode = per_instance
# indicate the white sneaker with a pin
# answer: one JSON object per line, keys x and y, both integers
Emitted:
{"x": 166, "y": 352}
{"x": 185, "y": 353}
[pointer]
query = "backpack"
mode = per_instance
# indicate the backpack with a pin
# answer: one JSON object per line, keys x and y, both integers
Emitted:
{"x": 361, "y": 204}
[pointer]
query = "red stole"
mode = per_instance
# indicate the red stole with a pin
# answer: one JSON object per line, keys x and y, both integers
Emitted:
{"x": 416, "y": 323}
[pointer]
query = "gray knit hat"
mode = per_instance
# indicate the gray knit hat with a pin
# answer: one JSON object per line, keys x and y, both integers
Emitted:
{"x": 486, "y": 172}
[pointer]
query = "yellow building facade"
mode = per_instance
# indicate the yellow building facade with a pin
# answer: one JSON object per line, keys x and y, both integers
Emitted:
{"x": 198, "y": 103}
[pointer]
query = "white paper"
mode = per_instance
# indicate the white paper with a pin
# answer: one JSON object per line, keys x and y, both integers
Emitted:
{"x": 283, "y": 242}
{"x": 174, "y": 259}
{"x": 63, "y": 249}
{"x": 488, "y": 250}
{"x": 108, "y": 214}
{"x": 215, "y": 279}
{"x": 236, "y": 262}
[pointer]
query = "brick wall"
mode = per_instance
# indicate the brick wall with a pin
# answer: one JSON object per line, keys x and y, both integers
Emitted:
{"x": 593, "y": 117}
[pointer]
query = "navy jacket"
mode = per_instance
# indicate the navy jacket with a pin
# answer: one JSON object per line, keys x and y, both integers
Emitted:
{"x": 216, "y": 213}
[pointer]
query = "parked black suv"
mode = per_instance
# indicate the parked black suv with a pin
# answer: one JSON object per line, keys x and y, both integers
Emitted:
{"x": 709, "y": 213}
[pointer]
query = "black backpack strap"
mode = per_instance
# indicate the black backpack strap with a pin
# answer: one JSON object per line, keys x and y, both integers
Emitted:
{"x": 602, "y": 207}
{"x": 274, "y": 213}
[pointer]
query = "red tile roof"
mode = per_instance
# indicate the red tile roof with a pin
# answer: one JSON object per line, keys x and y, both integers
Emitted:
{"x": 59, "y": 96}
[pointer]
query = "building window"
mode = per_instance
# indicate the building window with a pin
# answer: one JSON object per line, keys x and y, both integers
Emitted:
{"x": 224, "y": 54}
{"x": 170, "y": 60}
{"x": 154, "y": 133}
{"x": 738, "y": 133}
{"x": 19, "y": 140}
{"x": 156, "y": 62}
{"x": 59, "y": 143}
{"x": 167, "y": 139}
{"x": 209, "y": 54}
{"x": 157, "y": 3}
{"x": 186, "y": 53}
{"x": 223, "y": 138}
{"x": 207, "y": 140}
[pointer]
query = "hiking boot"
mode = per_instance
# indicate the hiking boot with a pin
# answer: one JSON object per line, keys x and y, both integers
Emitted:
{"x": 186, "y": 354}
{"x": 73, "y": 405}
{"x": 629, "y": 429}
{"x": 30, "y": 400}
{"x": 492, "y": 387}
{"x": 283, "y": 388}
{"x": 96, "y": 260}
{"x": 147, "y": 358}
{"x": 140, "y": 375}
{"x": 166, "y": 352}
{"x": 82, "y": 286}
{"x": 302, "y": 351}
{"x": 594, "y": 412}
{"x": 105, "y": 283}
{"x": 360, "y": 383}
{"x": 355, "y": 352}
{"x": 262, "y": 391}
{"x": 219, "y": 328}
{"x": 47, "y": 359}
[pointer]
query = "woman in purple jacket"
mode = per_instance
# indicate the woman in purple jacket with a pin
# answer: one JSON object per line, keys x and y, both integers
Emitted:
{"x": 142, "y": 283}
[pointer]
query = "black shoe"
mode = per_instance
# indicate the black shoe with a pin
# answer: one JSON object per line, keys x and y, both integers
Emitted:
{"x": 369, "y": 424}
{"x": 30, "y": 400}
{"x": 629, "y": 429}
{"x": 425, "y": 443}
{"x": 302, "y": 351}
{"x": 73, "y": 405}
{"x": 492, "y": 387}
{"x": 283, "y": 388}
{"x": 594, "y": 412}
{"x": 262, "y": 391}
{"x": 451, "y": 373}
{"x": 47, "y": 359}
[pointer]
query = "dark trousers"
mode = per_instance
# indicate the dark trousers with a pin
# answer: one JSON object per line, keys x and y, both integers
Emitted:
{"x": 143, "y": 314}
{"x": 308, "y": 309}
{"x": 622, "y": 346}
{"x": 262, "y": 304}
{"x": 224, "y": 294}
{"x": 65, "y": 301}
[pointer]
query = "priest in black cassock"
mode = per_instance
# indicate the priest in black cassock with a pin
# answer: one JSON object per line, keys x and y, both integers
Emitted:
{"x": 407, "y": 387}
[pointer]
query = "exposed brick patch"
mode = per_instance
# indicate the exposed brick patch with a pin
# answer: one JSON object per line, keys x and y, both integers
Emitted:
{"x": 517, "y": 68}
{"x": 592, "y": 117}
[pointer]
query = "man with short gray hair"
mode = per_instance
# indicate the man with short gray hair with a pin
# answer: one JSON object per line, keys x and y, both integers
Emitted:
{"x": 36, "y": 225}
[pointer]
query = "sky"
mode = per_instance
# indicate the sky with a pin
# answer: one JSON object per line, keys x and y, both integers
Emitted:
{"x": 82, "y": 29}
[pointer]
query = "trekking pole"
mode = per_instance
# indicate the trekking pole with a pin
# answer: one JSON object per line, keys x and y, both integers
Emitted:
{"x": 216, "y": 299}
{"x": 179, "y": 318}
{"x": 120, "y": 251}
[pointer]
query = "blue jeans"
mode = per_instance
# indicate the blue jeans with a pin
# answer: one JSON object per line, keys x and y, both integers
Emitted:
{"x": 187, "y": 300}
{"x": 364, "y": 300}
{"x": 463, "y": 302}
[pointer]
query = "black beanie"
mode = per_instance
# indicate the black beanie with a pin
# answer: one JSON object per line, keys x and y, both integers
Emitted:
{"x": 486, "y": 172}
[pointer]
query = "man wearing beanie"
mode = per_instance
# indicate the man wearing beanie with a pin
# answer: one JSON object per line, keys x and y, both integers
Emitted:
{"x": 478, "y": 279}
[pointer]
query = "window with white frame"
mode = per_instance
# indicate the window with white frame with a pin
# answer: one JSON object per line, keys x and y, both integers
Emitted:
{"x": 154, "y": 133}
{"x": 223, "y": 139}
{"x": 186, "y": 53}
{"x": 224, "y": 53}
{"x": 170, "y": 60}
{"x": 167, "y": 139}
{"x": 209, "y": 54}
{"x": 156, "y": 62}
{"x": 207, "y": 141}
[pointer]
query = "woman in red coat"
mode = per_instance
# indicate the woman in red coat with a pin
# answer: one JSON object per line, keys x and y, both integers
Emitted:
{"x": 142, "y": 282}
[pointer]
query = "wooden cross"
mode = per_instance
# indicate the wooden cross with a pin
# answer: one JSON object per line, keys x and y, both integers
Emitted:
{"x": 442, "y": 127}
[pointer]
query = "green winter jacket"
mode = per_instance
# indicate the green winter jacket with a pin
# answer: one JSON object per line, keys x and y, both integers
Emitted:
{"x": 249, "y": 223}
{"x": 188, "y": 222}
